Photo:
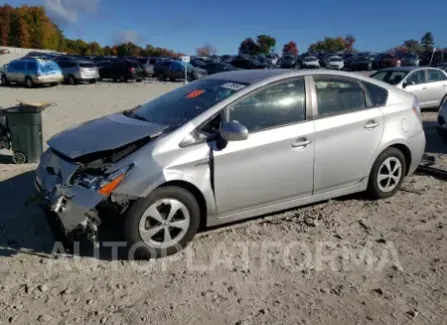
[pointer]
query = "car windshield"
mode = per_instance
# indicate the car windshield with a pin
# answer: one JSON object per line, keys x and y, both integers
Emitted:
{"x": 183, "y": 104}
{"x": 86, "y": 65}
{"x": 410, "y": 56}
{"x": 335, "y": 59}
{"x": 391, "y": 77}
{"x": 310, "y": 58}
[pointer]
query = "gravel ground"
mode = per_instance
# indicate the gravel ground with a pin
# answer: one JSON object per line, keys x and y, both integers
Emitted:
{"x": 345, "y": 261}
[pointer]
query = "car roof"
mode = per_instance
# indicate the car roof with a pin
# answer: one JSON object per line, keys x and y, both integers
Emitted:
{"x": 254, "y": 76}
{"x": 406, "y": 69}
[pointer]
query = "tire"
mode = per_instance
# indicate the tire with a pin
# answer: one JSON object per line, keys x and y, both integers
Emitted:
{"x": 92, "y": 82}
{"x": 379, "y": 190}
{"x": 443, "y": 100}
{"x": 71, "y": 80}
{"x": 139, "y": 80}
{"x": 29, "y": 82}
{"x": 19, "y": 158}
{"x": 5, "y": 81}
{"x": 151, "y": 248}
{"x": 123, "y": 79}
{"x": 172, "y": 79}
{"x": 161, "y": 77}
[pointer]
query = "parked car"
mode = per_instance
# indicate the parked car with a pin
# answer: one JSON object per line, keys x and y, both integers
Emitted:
{"x": 360, "y": 63}
{"x": 442, "y": 120}
{"x": 198, "y": 63}
{"x": 4, "y": 51}
{"x": 288, "y": 61}
{"x": 335, "y": 62}
{"x": 222, "y": 149}
{"x": 409, "y": 60}
{"x": 310, "y": 62}
{"x": 79, "y": 71}
{"x": 442, "y": 66}
{"x": 428, "y": 84}
{"x": 148, "y": 64}
{"x": 31, "y": 72}
{"x": 386, "y": 60}
{"x": 122, "y": 70}
{"x": 247, "y": 63}
{"x": 212, "y": 68}
{"x": 174, "y": 70}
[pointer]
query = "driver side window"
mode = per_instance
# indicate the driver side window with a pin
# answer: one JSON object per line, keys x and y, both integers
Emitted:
{"x": 277, "y": 105}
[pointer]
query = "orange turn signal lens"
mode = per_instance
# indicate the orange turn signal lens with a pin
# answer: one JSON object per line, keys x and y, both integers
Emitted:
{"x": 108, "y": 189}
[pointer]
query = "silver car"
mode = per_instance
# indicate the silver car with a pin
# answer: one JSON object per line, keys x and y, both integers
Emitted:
{"x": 79, "y": 71}
{"x": 229, "y": 147}
{"x": 427, "y": 83}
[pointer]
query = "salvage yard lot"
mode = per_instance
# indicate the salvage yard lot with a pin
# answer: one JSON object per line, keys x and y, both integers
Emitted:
{"x": 346, "y": 261}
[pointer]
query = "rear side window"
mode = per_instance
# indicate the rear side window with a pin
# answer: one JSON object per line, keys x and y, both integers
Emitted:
{"x": 31, "y": 66}
{"x": 152, "y": 61}
{"x": 20, "y": 65}
{"x": 435, "y": 75}
{"x": 377, "y": 94}
{"x": 337, "y": 95}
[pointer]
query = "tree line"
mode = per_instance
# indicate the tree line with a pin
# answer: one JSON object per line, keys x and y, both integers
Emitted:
{"x": 30, "y": 27}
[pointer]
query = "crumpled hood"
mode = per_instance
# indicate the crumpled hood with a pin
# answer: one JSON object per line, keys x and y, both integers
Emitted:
{"x": 105, "y": 133}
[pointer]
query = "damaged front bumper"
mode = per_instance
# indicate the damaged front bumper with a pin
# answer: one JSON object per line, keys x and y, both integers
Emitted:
{"x": 74, "y": 206}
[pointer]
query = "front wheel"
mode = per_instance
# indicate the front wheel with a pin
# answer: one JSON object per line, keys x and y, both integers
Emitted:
{"x": 29, "y": 82}
{"x": 162, "y": 223}
{"x": 5, "y": 81}
{"x": 387, "y": 174}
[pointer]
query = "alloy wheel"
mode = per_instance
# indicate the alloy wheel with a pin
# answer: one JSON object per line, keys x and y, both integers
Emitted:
{"x": 389, "y": 174}
{"x": 164, "y": 223}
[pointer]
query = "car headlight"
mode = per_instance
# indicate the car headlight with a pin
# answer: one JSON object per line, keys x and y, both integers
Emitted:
{"x": 103, "y": 184}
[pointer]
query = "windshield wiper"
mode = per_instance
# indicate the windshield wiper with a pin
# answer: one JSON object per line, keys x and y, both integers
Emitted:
{"x": 131, "y": 113}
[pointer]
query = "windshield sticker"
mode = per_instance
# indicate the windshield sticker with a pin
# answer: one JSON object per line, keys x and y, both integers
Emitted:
{"x": 233, "y": 86}
{"x": 195, "y": 93}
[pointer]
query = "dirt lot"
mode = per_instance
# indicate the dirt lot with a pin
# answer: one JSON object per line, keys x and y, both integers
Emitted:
{"x": 345, "y": 261}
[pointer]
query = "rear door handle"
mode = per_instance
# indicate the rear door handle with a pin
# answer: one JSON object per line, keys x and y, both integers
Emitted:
{"x": 371, "y": 125}
{"x": 301, "y": 143}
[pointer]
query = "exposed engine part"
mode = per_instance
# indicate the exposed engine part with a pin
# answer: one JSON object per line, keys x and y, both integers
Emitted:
{"x": 121, "y": 201}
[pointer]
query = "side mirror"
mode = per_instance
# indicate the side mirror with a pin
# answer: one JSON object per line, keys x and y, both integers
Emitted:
{"x": 404, "y": 85}
{"x": 233, "y": 131}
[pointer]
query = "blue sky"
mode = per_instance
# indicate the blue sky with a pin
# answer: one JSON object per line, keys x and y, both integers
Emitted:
{"x": 185, "y": 25}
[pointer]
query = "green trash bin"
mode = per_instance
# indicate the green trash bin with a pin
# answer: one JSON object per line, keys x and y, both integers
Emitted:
{"x": 24, "y": 123}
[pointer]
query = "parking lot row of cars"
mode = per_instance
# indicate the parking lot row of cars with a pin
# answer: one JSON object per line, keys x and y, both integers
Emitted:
{"x": 51, "y": 69}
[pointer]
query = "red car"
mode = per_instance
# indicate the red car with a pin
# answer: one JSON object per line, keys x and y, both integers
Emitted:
{"x": 386, "y": 60}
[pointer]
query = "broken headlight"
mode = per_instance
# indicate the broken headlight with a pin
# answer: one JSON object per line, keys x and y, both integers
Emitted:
{"x": 104, "y": 184}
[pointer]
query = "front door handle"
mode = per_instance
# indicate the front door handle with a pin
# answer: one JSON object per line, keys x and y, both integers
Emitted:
{"x": 424, "y": 88}
{"x": 371, "y": 125}
{"x": 301, "y": 142}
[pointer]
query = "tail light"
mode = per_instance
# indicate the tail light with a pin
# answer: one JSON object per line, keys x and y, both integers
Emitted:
{"x": 131, "y": 69}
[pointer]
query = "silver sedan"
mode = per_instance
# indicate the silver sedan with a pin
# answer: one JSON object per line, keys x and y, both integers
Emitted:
{"x": 429, "y": 84}
{"x": 228, "y": 147}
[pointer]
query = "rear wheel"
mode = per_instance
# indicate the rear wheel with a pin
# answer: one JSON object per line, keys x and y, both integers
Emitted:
{"x": 139, "y": 80}
{"x": 161, "y": 77}
{"x": 387, "y": 174}
{"x": 162, "y": 223}
{"x": 29, "y": 82}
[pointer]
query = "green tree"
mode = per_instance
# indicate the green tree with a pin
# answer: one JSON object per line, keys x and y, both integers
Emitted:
{"x": 332, "y": 45}
{"x": 265, "y": 43}
{"x": 428, "y": 41}
{"x": 413, "y": 46}
{"x": 107, "y": 50}
{"x": 249, "y": 46}
{"x": 6, "y": 13}
{"x": 19, "y": 31}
